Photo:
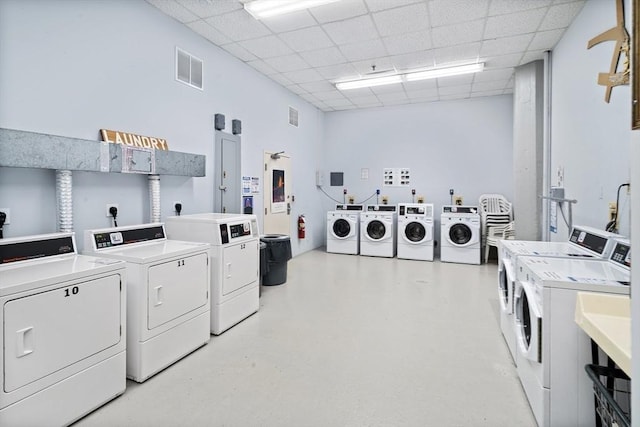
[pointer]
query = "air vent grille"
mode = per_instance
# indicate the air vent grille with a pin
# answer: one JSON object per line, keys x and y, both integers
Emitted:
{"x": 188, "y": 69}
{"x": 293, "y": 117}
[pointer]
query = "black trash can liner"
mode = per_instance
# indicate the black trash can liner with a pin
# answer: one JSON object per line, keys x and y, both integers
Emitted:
{"x": 278, "y": 252}
{"x": 264, "y": 265}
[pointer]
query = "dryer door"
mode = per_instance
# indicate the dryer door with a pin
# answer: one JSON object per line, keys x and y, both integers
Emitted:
{"x": 506, "y": 286}
{"x": 240, "y": 266}
{"x": 342, "y": 229}
{"x": 415, "y": 232}
{"x": 528, "y": 323}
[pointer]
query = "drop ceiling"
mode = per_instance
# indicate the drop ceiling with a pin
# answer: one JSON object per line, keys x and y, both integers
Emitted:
{"x": 308, "y": 51}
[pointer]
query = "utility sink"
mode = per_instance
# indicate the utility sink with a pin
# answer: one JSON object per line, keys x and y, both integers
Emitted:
{"x": 606, "y": 318}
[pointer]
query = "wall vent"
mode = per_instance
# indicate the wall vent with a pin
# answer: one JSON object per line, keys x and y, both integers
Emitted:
{"x": 188, "y": 69}
{"x": 293, "y": 117}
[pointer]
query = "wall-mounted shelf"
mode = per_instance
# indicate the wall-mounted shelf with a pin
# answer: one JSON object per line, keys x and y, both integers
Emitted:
{"x": 22, "y": 149}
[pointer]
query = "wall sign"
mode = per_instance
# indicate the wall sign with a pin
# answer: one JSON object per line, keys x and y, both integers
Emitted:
{"x": 125, "y": 138}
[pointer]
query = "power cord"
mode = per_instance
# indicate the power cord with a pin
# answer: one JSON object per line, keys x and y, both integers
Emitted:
{"x": 612, "y": 226}
{"x": 114, "y": 213}
{"x": 178, "y": 207}
{"x": 3, "y": 218}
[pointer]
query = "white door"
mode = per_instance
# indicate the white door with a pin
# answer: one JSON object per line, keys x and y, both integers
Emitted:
{"x": 277, "y": 194}
{"x": 240, "y": 264}
{"x": 227, "y": 179}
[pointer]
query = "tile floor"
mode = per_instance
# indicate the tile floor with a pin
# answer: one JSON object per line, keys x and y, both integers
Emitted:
{"x": 347, "y": 341}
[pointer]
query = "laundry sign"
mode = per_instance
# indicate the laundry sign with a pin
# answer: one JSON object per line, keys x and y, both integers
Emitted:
{"x": 125, "y": 138}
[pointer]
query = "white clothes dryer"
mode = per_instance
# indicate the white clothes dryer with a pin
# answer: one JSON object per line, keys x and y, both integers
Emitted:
{"x": 415, "y": 231}
{"x": 584, "y": 242}
{"x": 460, "y": 234}
{"x": 62, "y": 324}
{"x": 168, "y": 308}
{"x": 343, "y": 229}
{"x": 378, "y": 228}
{"x": 234, "y": 262}
{"x": 552, "y": 350}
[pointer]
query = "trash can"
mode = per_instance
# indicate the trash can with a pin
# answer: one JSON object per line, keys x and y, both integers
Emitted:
{"x": 278, "y": 252}
{"x": 264, "y": 266}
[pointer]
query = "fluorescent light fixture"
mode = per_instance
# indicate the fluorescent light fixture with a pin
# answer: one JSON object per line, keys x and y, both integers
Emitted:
{"x": 444, "y": 72}
{"x": 411, "y": 76}
{"x": 261, "y": 9}
{"x": 371, "y": 82}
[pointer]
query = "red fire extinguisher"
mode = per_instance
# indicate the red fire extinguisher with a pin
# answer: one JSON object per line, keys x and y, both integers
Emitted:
{"x": 301, "y": 226}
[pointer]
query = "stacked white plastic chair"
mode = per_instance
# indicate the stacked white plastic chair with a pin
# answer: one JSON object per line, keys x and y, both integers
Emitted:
{"x": 496, "y": 220}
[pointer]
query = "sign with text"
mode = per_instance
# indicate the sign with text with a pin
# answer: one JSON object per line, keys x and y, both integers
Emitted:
{"x": 125, "y": 138}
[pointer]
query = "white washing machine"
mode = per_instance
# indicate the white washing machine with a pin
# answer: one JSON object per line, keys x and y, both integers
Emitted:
{"x": 415, "y": 231}
{"x": 235, "y": 262}
{"x": 343, "y": 229}
{"x": 552, "y": 350}
{"x": 584, "y": 242}
{"x": 63, "y": 331}
{"x": 168, "y": 308}
{"x": 460, "y": 234}
{"x": 378, "y": 228}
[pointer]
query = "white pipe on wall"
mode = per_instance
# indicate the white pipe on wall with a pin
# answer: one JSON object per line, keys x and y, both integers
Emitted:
{"x": 64, "y": 198}
{"x": 154, "y": 197}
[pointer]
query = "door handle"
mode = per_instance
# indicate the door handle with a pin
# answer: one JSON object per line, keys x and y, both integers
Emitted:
{"x": 222, "y": 188}
{"x": 288, "y": 208}
{"x": 24, "y": 341}
{"x": 158, "y": 296}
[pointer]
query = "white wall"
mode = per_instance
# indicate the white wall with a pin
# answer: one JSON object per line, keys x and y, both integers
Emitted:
{"x": 589, "y": 138}
{"x": 70, "y": 68}
{"x": 465, "y": 145}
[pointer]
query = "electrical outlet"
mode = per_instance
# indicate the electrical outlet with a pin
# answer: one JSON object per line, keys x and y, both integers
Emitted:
{"x": 7, "y": 211}
{"x": 420, "y": 199}
{"x": 457, "y": 200}
{"x": 385, "y": 200}
{"x": 177, "y": 202}
{"x": 109, "y": 206}
{"x": 351, "y": 199}
{"x": 613, "y": 210}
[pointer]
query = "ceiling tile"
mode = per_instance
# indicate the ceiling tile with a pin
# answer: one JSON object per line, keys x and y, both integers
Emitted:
{"x": 352, "y": 30}
{"x": 545, "y": 40}
{"x": 376, "y": 5}
{"x": 365, "y": 104}
{"x": 454, "y": 90}
{"x": 486, "y": 93}
{"x": 464, "y": 53}
{"x": 208, "y": 32}
{"x": 382, "y": 64}
{"x": 494, "y": 85}
{"x": 323, "y": 57}
{"x": 338, "y": 72}
{"x": 335, "y": 103}
{"x": 513, "y": 23}
{"x": 303, "y": 76}
{"x": 238, "y": 25}
{"x": 175, "y": 10}
{"x": 266, "y": 47}
{"x": 262, "y": 66}
{"x": 338, "y": 11}
{"x": 489, "y": 75}
{"x": 279, "y": 78}
{"x": 287, "y": 63}
{"x": 239, "y": 52}
{"x": 394, "y": 88}
{"x": 409, "y": 61}
{"x": 330, "y": 94}
{"x": 409, "y": 42}
{"x": 531, "y": 56}
{"x": 402, "y": 20}
{"x": 447, "y": 12}
{"x": 369, "y": 99}
{"x": 319, "y": 86}
{"x": 425, "y": 99}
{"x": 392, "y": 96}
{"x": 422, "y": 93}
{"x": 450, "y": 35}
{"x": 311, "y": 38}
{"x": 358, "y": 93}
{"x": 296, "y": 89}
{"x": 454, "y": 97}
{"x": 506, "y": 45}
{"x": 465, "y": 79}
{"x": 503, "y": 7}
{"x": 290, "y": 21}
{"x": 363, "y": 50}
{"x": 503, "y": 61}
{"x": 429, "y": 84}
{"x": 309, "y": 98}
{"x": 205, "y": 9}
{"x": 560, "y": 16}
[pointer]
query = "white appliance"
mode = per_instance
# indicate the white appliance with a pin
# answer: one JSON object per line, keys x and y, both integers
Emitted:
{"x": 584, "y": 242}
{"x": 235, "y": 262}
{"x": 378, "y": 231}
{"x": 552, "y": 350}
{"x": 63, "y": 331}
{"x": 343, "y": 229}
{"x": 415, "y": 231}
{"x": 168, "y": 308}
{"x": 460, "y": 234}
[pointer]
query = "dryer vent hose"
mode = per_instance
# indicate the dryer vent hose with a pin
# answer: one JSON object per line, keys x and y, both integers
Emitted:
{"x": 64, "y": 199}
{"x": 154, "y": 197}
